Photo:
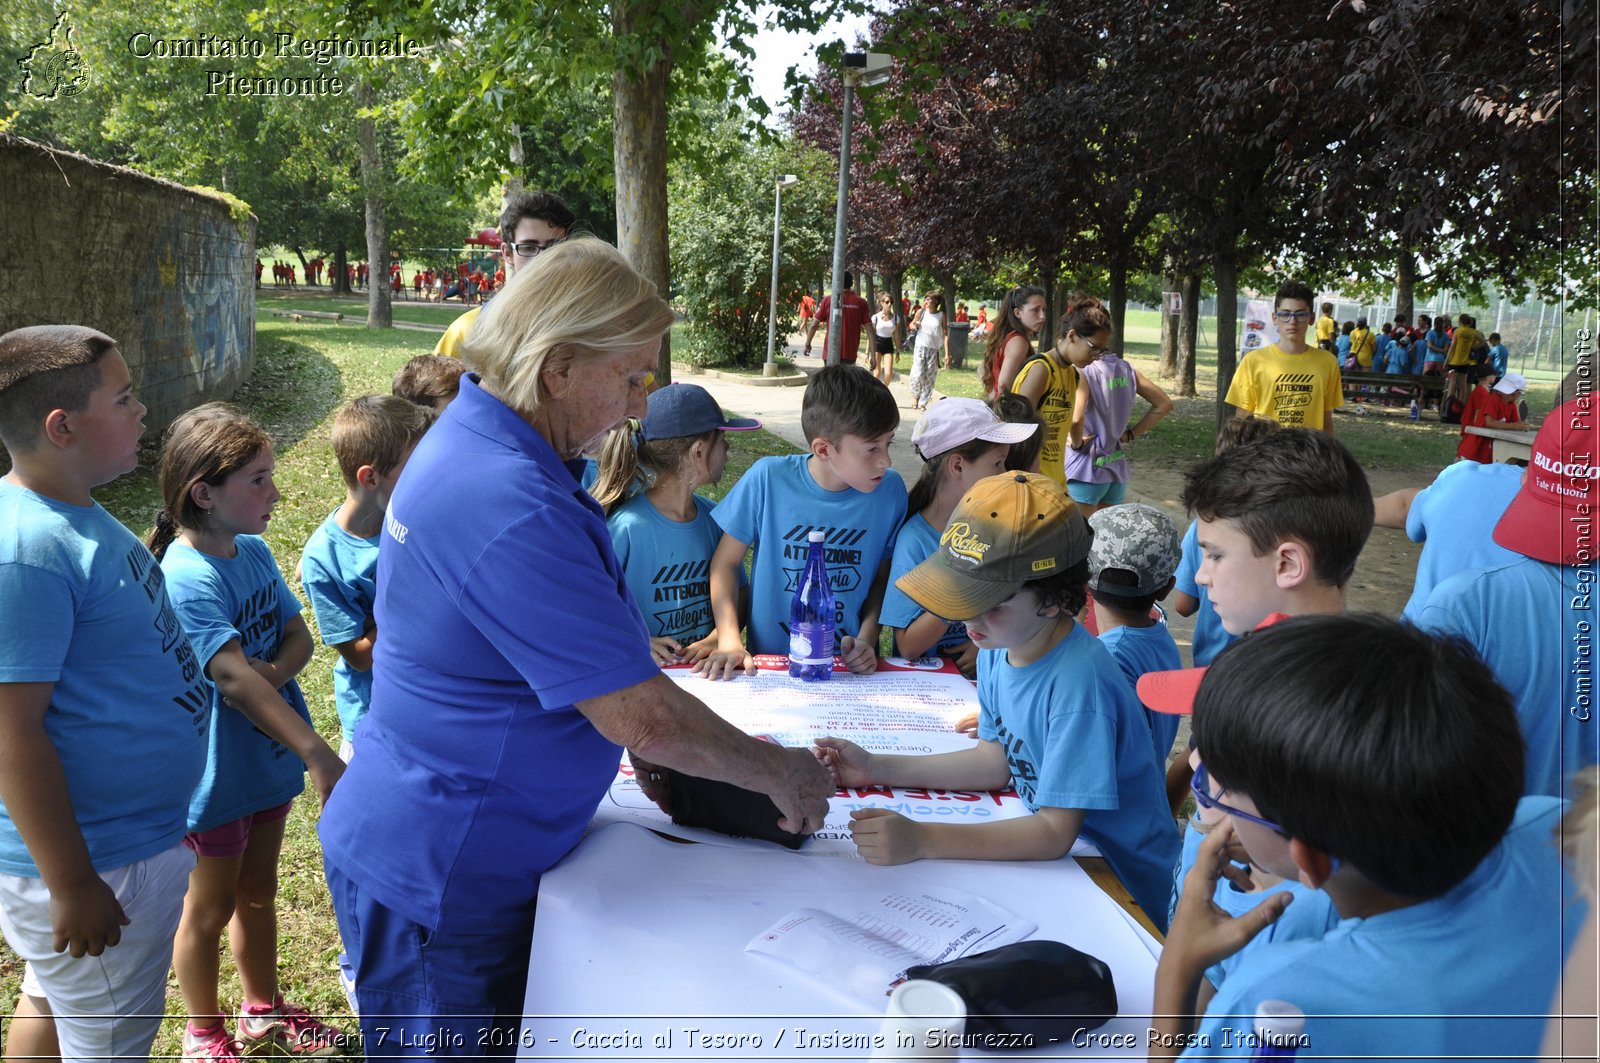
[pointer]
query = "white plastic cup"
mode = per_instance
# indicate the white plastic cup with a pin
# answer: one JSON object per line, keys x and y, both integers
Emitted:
{"x": 924, "y": 1020}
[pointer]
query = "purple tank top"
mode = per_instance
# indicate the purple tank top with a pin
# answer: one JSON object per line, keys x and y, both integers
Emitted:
{"x": 1111, "y": 392}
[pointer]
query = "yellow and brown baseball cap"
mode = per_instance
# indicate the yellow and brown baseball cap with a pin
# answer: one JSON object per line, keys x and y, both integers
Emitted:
{"x": 1005, "y": 531}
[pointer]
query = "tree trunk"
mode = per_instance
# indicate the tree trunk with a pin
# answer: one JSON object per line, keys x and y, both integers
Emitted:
{"x": 639, "y": 151}
{"x": 1117, "y": 297}
{"x": 893, "y": 284}
{"x": 1169, "y": 324}
{"x": 1052, "y": 300}
{"x": 339, "y": 282}
{"x": 1227, "y": 269}
{"x": 379, "y": 312}
{"x": 1405, "y": 284}
{"x": 1191, "y": 324}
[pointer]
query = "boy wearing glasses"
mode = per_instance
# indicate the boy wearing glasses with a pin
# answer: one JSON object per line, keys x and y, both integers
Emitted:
{"x": 1386, "y": 780}
{"x": 532, "y": 222}
{"x": 1289, "y": 382}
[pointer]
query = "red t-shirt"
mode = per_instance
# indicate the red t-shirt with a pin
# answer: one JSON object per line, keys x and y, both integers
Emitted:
{"x": 807, "y": 305}
{"x": 855, "y": 313}
{"x": 1481, "y": 405}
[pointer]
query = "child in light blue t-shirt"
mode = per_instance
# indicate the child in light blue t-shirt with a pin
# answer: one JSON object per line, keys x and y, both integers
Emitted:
{"x": 250, "y": 642}
{"x": 1131, "y": 563}
{"x": 103, "y": 706}
{"x": 664, "y": 533}
{"x": 960, "y": 441}
{"x": 1453, "y": 912}
{"x": 372, "y": 438}
{"x": 844, "y": 488}
{"x": 1058, "y": 720}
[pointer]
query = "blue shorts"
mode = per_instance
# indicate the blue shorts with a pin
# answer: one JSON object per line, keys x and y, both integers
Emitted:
{"x": 1092, "y": 494}
{"x": 423, "y": 993}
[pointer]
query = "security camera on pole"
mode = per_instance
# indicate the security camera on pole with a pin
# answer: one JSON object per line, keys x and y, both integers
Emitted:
{"x": 782, "y": 182}
{"x": 859, "y": 68}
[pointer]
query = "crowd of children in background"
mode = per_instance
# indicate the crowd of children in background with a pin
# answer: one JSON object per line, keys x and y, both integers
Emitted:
{"x": 1333, "y": 857}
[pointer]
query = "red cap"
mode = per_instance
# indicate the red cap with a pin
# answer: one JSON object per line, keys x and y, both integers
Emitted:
{"x": 1173, "y": 692}
{"x": 1552, "y": 518}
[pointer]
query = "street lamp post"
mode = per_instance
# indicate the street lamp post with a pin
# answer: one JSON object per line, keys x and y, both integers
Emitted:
{"x": 860, "y": 68}
{"x": 771, "y": 368}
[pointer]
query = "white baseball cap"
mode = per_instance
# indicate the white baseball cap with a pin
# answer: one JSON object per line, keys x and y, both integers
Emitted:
{"x": 1511, "y": 382}
{"x": 950, "y": 423}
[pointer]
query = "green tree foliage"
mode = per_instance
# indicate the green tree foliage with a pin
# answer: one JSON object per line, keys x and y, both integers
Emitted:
{"x": 722, "y": 246}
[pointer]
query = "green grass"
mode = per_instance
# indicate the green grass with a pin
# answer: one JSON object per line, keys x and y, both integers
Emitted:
{"x": 420, "y": 313}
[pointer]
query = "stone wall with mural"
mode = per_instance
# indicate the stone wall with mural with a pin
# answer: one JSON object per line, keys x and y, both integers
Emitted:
{"x": 167, "y": 271}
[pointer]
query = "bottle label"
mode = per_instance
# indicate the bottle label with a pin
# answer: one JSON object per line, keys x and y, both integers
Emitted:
{"x": 814, "y": 646}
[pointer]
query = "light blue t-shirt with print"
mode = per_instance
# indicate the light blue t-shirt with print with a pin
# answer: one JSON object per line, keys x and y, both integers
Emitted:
{"x": 1454, "y": 518}
{"x": 668, "y": 565}
{"x": 916, "y": 542}
{"x": 773, "y": 509}
{"x": 1075, "y": 737}
{"x": 340, "y": 574}
{"x": 241, "y": 598}
{"x": 84, "y": 606}
{"x": 1499, "y": 356}
{"x": 1210, "y": 637}
{"x": 1138, "y": 650}
{"x": 1396, "y": 358}
{"x": 1469, "y": 974}
{"x": 1534, "y": 624}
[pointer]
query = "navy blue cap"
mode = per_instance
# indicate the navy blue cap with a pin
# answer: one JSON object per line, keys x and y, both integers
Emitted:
{"x": 679, "y": 410}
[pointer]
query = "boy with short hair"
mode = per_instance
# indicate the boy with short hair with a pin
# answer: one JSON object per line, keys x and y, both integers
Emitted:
{"x": 1058, "y": 720}
{"x": 1135, "y": 552}
{"x": 103, "y": 727}
{"x": 372, "y": 438}
{"x": 429, "y": 380}
{"x": 1534, "y": 618}
{"x": 1499, "y": 355}
{"x": 1288, "y": 381}
{"x": 1343, "y": 771}
{"x": 843, "y": 487}
{"x": 1327, "y": 328}
{"x": 1281, "y": 523}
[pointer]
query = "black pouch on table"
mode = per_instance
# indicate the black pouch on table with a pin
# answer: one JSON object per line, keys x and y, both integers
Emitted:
{"x": 728, "y": 809}
{"x": 1031, "y": 991}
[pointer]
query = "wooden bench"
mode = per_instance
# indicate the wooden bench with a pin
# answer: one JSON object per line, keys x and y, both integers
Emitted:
{"x": 298, "y": 315}
{"x": 1406, "y": 387}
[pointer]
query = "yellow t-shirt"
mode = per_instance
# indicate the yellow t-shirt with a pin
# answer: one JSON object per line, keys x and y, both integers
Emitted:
{"x": 454, "y": 336}
{"x": 1461, "y": 345}
{"x": 1296, "y": 390}
{"x": 1326, "y": 328}
{"x": 1055, "y": 410}
{"x": 1362, "y": 345}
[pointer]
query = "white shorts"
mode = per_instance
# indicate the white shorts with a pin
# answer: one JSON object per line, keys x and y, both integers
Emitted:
{"x": 111, "y": 1005}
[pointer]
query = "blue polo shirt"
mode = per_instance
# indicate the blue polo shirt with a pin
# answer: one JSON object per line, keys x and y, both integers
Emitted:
{"x": 1454, "y": 518}
{"x": 1467, "y": 974}
{"x": 501, "y": 604}
{"x": 1534, "y": 625}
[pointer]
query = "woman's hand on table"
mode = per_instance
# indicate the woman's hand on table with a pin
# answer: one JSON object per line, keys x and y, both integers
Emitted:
{"x": 884, "y": 837}
{"x": 859, "y": 655}
{"x": 654, "y": 780}
{"x": 847, "y": 763}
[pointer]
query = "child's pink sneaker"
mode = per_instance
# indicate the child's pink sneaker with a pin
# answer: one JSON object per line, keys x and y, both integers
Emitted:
{"x": 209, "y": 1044}
{"x": 287, "y": 1030}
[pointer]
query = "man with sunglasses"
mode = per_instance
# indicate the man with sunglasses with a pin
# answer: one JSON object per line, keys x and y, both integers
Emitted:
{"x": 1289, "y": 381}
{"x": 531, "y": 223}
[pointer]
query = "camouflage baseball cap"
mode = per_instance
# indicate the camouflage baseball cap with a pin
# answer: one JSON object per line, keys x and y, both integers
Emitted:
{"x": 1137, "y": 539}
{"x": 1005, "y": 531}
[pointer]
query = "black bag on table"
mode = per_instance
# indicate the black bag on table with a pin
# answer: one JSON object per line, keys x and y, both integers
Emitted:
{"x": 1029, "y": 993}
{"x": 728, "y": 809}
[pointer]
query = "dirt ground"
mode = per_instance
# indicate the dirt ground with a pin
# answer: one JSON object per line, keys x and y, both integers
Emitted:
{"x": 1384, "y": 575}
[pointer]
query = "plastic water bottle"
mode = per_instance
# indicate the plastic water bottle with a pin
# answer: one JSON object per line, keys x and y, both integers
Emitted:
{"x": 1280, "y": 1029}
{"x": 1415, "y": 413}
{"x": 811, "y": 618}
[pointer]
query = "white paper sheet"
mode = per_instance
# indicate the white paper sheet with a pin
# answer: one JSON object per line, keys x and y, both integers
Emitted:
{"x": 896, "y": 710}
{"x": 866, "y": 947}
